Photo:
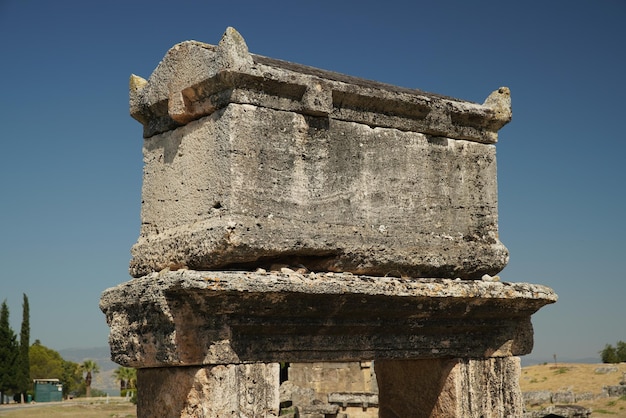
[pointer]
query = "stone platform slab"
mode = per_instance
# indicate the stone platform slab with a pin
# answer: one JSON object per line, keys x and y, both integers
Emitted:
{"x": 185, "y": 317}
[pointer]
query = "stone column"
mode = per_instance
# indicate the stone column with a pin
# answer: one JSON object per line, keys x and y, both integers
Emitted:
{"x": 443, "y": 388}
{"x": 234, "y": 390}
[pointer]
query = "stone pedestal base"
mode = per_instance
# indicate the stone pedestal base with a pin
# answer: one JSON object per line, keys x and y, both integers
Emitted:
{"x": 207, "y": 343}
{"x": 443, "y": 388}
{"x": 242, "y": 390}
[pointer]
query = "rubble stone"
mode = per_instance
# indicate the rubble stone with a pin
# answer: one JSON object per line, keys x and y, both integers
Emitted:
{"x": 560, "y": 411}
{"x": 364, "y": 400}
{"x": 615, "y": 390}
{"x": 606, "y": 369}
{"x": 564, "y": 396}
{"x": 537, "y": 397}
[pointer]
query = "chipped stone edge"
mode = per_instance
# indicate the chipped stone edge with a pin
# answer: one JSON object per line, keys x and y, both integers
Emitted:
{"x": 228, "y": 73}
{"x": 330, "y": 283}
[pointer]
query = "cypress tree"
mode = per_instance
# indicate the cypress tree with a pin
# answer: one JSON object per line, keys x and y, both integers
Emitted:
{"x": 23, "y": 370}
{"x": 8, "y": 353}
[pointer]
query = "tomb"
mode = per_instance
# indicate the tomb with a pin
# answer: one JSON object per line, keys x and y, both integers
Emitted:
{"x": 296, "y": 215}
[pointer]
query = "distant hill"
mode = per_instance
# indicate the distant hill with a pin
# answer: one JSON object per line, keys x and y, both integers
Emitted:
{"x": 101, "y": 355}
{"x": 526, "y": 361}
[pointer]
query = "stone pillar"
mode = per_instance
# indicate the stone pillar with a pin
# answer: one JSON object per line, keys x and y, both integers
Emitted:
{"x": 242, "y": 390}
{"x": 291, "y": 214}
{"x": 442, "y": 388}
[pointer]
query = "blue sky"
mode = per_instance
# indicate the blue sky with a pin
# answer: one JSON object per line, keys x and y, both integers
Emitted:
{"x": 71, "y": 164}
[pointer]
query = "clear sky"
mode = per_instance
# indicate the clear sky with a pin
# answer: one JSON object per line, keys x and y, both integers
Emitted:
{"x": 71, "y": 163}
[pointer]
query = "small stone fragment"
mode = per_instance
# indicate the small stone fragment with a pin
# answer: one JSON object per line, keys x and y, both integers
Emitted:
{"x": 488, "y": 278}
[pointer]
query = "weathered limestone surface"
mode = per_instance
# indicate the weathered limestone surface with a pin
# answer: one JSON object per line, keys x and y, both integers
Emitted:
{"x": 537, "y": 397}
{"x": 302, "y": 402}
{"x": 615, "y": 390}
{"x": 188, "y": 317}
{"x": 251, "y": 161}
{"x": 334, "y": 377}
{"x": 443, "y": 388}
{"x": 363, "y": 399}
{"x": 347, "y": 387}
{"x": 243, "y": 390}
{"x": 195, "y": 79}
{"x": 560, "y": 411}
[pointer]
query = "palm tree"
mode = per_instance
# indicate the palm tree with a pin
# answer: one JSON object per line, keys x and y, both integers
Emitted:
{"x": 120, "y": 374}
{"x": 127, "y": 377}
{"x": 132, "y": 379}
{"x": 89, "y": 367}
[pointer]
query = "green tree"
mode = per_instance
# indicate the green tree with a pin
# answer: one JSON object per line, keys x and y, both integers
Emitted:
{"x": 120, "y": 376}
{"x": 8, "y": 354}
{"x": 89, "y": 367}
{"x": 609, "y": 354}
{"x": 131, "y": 386}
{"x": 72, "y": 377}
{"x": 45, "y": 363}
{"x": 23, "y": 369}
{"x": 620, "y": 351}
{"x": 132, "y": 379}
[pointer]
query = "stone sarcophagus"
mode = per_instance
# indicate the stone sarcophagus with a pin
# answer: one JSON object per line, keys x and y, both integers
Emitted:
{"x": 291, "y": 214}
{"x": 251, "y": 161}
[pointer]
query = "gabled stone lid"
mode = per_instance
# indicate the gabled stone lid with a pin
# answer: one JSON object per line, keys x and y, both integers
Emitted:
{"x": 195, "y": 79}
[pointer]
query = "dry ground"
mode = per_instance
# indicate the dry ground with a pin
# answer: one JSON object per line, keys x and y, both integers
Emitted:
{"x": 579, "y": 378}
{"x": 80, "y": 408}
